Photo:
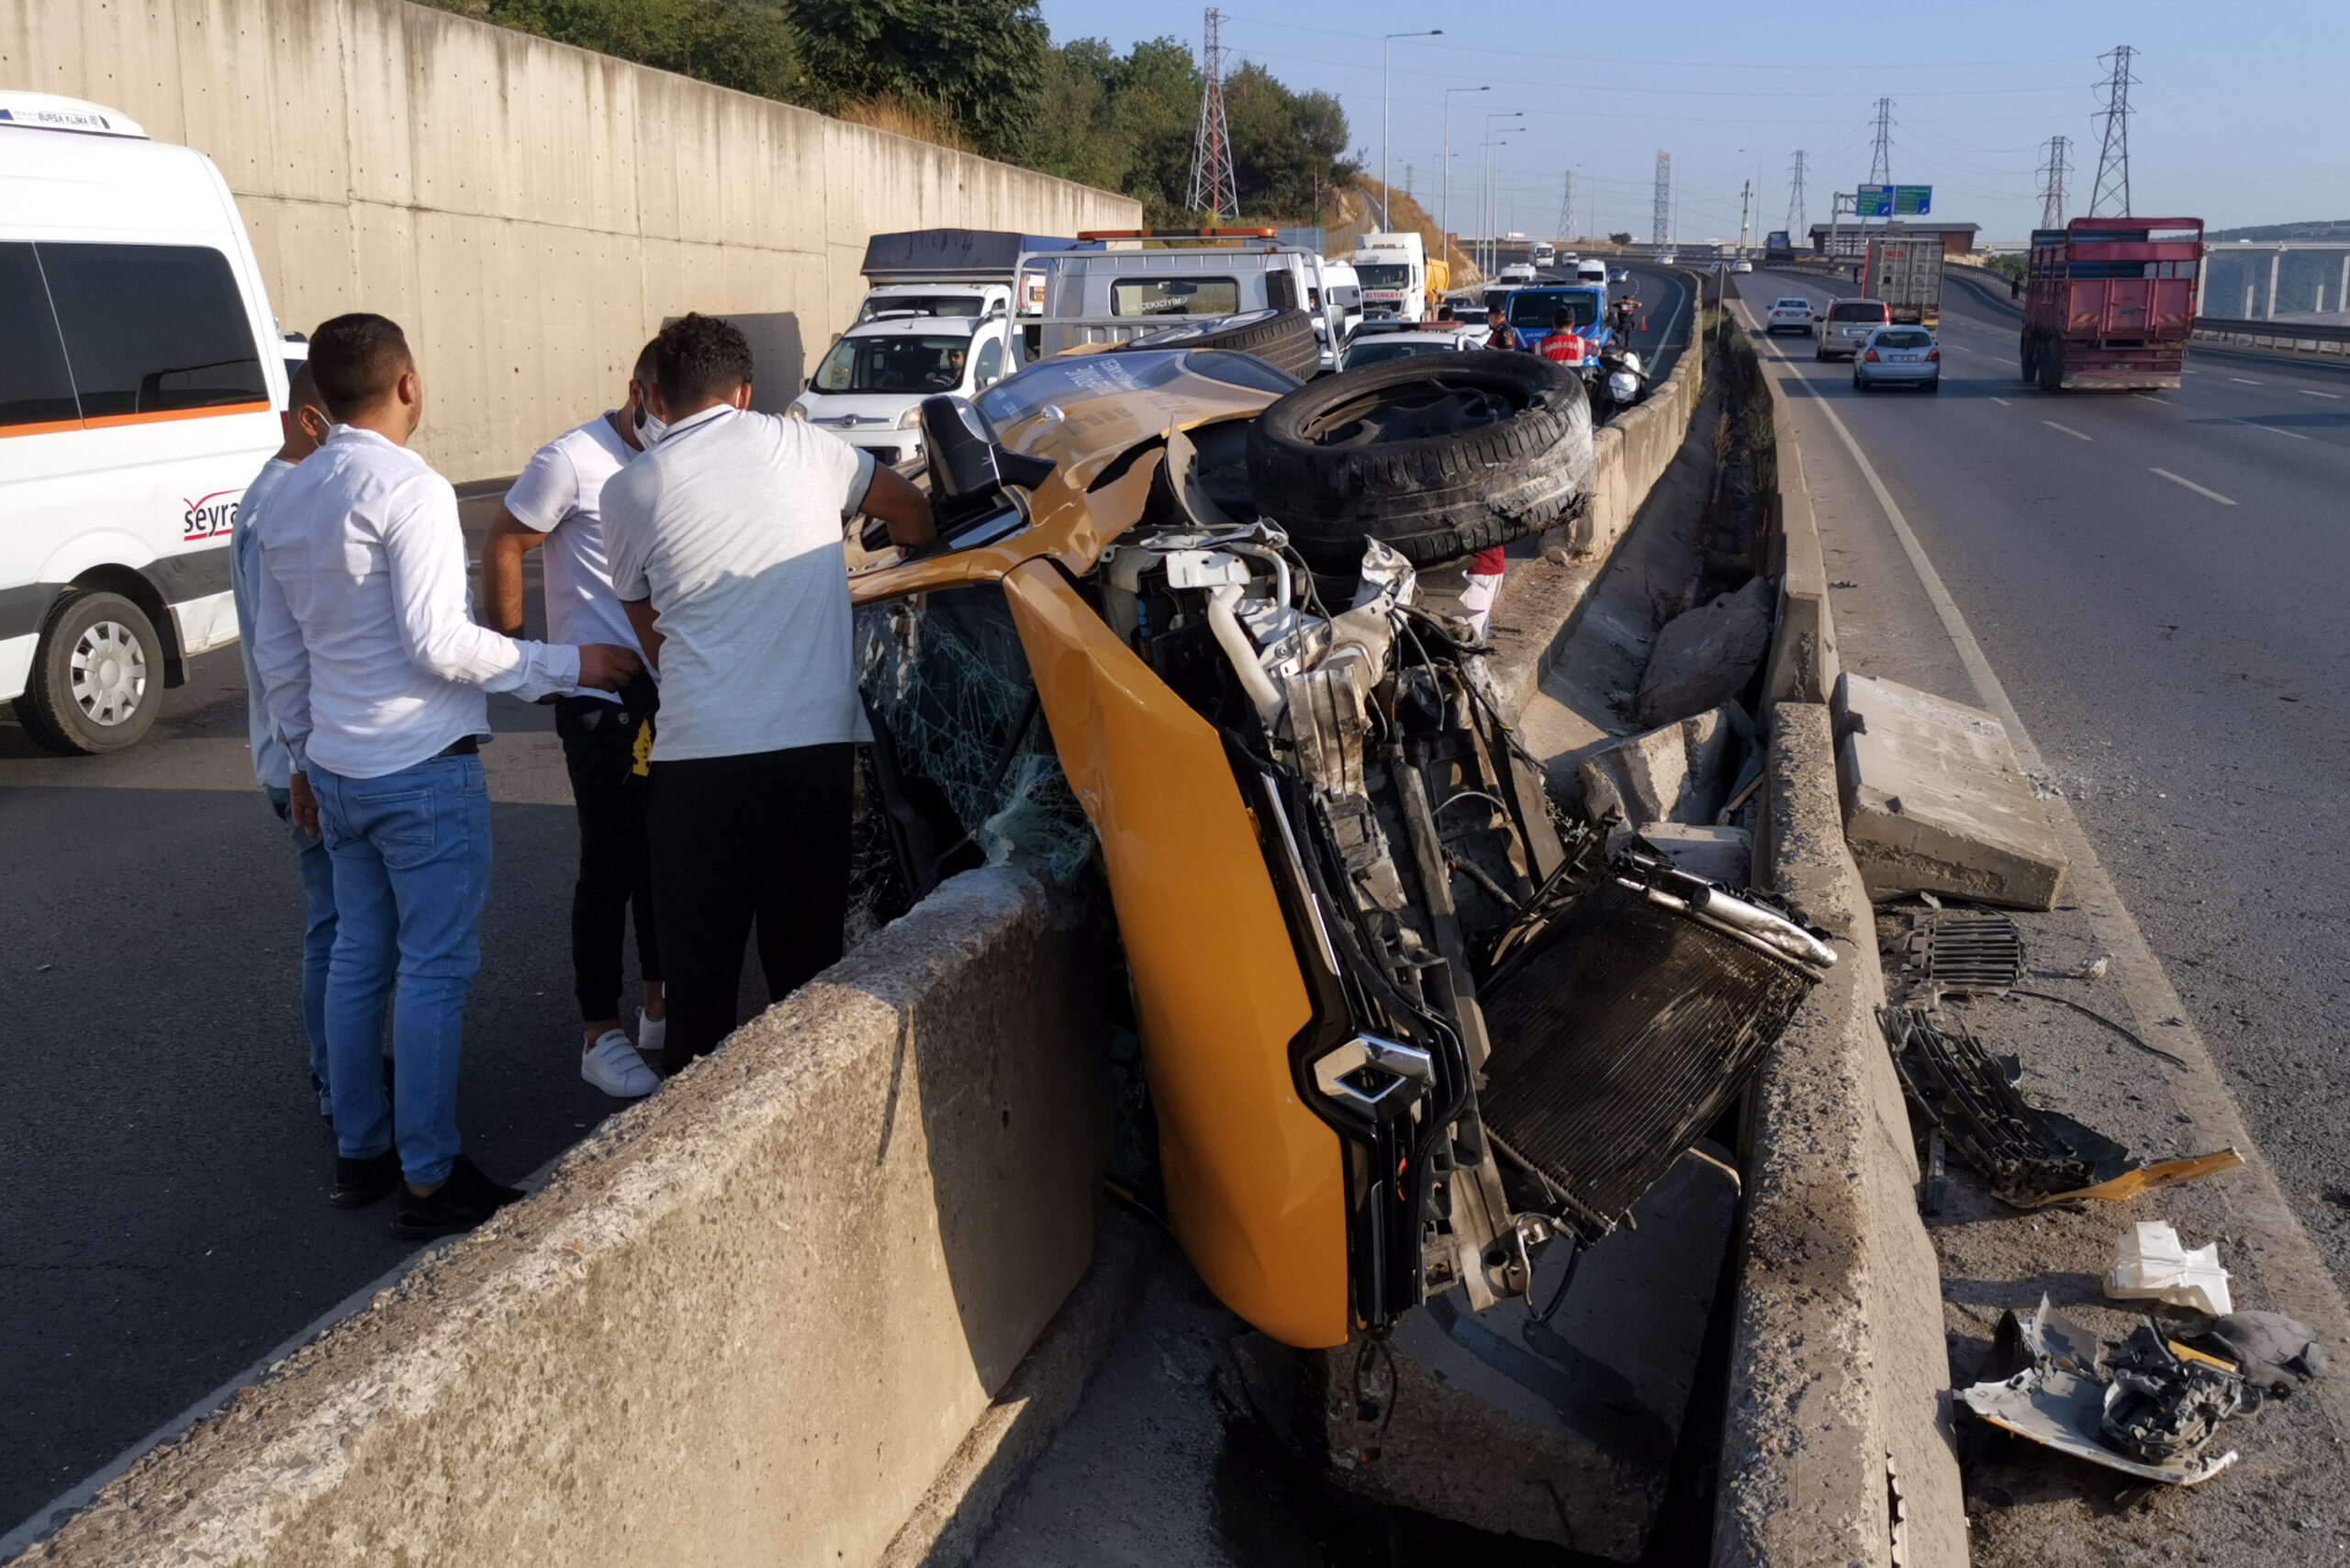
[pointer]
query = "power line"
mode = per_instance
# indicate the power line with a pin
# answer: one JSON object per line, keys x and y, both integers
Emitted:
{"x": 2052, "y": 187}
{"x": 1796, "y": 217}
{"x": 1661, "y": 217}
{"x": 1214, "y": 187}
{"x": 2111, "y": 195}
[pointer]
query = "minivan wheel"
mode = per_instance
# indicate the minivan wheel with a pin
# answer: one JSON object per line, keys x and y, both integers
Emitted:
{"x": 97, "y": 677}
{"x": 1438, "y": 455}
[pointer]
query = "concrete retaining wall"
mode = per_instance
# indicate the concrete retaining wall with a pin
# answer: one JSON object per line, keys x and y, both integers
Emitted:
{"x": 1838, "y": 1446}
{"x": 529, "y": 212}
{"x": 749, "y": 1322}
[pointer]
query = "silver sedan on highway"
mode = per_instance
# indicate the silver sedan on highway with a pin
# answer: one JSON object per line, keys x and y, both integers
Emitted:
{"x": 1898, "y": 357}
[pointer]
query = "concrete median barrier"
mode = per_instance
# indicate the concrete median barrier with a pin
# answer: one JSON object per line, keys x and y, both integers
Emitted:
{"x": 1838, "y": 1445}
{"x": 749, "y": 1321}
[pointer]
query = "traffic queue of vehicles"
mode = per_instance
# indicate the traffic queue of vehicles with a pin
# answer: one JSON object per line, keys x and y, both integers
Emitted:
{"x": 143, "y": 375}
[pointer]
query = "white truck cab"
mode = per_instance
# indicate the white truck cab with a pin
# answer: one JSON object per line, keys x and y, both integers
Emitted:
{"x": 1394, "y": 270}
{"x": 142, "y": 380}
{"x": 1115, "y": 287}
{"x": 868, "y": 388}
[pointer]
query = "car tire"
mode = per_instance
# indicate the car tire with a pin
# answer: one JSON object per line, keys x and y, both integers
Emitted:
{"x": 1858, "y": 384}
{"x": 2030, "y": 362}
{"x": 97, "y": 677}
{"x": 1282, "y": 339}
{"x": 2052, "y": 369}
{"x": 1819, "y": 356}
{"x": 1935, "y": 387}
{"x": 1469, "y": 453}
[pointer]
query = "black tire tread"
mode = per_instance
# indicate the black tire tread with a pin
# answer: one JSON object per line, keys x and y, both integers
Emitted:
{"x": 1285, "y": 340}
{"x": 1435, "y": 499}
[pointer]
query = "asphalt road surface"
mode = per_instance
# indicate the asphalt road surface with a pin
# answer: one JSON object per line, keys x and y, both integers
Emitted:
{"x": 2162, "y": 583}
{"x": 163, "y": 1189}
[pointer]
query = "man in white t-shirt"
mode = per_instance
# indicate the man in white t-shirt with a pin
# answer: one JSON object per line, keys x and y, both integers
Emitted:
{"x": 557, "y": 506}
{"x": 725, "y": 541}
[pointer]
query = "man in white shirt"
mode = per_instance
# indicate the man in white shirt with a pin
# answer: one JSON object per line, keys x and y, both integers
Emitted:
{"x": 306, "y": 422}
{"x": 373, "y": 671}
{"x": 725, "y": 541}
{"x": 606, "y": 736}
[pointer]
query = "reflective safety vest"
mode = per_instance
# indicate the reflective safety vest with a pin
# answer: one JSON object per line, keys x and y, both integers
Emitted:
{"x": 1562, "y": 348}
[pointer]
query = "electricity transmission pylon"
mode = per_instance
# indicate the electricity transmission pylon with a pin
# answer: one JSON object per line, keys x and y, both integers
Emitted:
{"x": 2051, "y": 181}
{"x": 1795, "y": 214}
{"x": 1215, "y": 190}
{"x": 2111, "y": 195}
{"x": 1660, "y": 215}
{"x": 1566, "y": 229}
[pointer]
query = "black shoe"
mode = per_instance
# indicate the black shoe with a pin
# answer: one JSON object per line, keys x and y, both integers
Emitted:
{"x": 459, "y": 1203}
{"x": 358, "y": 1182}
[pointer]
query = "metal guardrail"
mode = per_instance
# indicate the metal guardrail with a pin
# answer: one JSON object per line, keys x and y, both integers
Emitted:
{"x": 2316, "y": 337}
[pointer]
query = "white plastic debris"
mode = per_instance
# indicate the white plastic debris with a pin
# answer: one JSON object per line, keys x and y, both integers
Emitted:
{"x": 2151, "y": 1263}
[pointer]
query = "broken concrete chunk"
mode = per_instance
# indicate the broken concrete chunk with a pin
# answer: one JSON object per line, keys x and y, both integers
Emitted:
{"x": 1669, "y": 774}
{"x": 1935, "y": 801}
{"x": 1722, "y": 854}
{"x": 1706, "y": 657}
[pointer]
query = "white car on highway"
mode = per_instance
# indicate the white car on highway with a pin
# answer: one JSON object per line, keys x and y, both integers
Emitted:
{"x": 1519, "y": 271}
{"x": 869, "y": 388}
{"x": 1898, "y": 357}
{"x": 1371, "y": 346}
{"x": 1791, "y": 315}
{"x": 1741, "y": 265}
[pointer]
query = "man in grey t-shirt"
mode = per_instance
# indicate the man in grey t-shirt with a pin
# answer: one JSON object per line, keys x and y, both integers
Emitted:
{"x": 725, "y": 547}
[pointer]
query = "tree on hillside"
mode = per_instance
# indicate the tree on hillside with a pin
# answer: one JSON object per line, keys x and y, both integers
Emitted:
{"x": 748, "y": 45}
{"x": 980, "y": 62}
{"x": 1288, "y": 149}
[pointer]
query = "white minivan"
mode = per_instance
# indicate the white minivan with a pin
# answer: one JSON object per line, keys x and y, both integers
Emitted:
{"x": 868, "y": 388}
{"x": 136, "y": 403}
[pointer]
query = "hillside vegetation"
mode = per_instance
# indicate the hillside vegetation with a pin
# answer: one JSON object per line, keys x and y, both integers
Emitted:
{"x": 984, "y": 76}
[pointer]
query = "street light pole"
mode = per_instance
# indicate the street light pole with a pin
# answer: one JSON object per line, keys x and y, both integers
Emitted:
{"x": 1444, "y": 218}
{"x": 1485, "y": 186}
{"x": 1387, "y": 74}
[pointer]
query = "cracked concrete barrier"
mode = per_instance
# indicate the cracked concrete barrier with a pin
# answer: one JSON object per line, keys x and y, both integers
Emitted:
{"x": 748, "y": 1322}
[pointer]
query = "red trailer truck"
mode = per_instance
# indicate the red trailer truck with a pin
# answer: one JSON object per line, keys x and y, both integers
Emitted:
{"x": 2111, "y": 302}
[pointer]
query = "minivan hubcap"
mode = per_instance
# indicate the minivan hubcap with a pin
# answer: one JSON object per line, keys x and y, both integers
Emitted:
{"x": 109, "y": 673}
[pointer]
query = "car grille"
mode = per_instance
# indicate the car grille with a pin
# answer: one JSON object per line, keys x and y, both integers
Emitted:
{"x": 1617, "y": 1038}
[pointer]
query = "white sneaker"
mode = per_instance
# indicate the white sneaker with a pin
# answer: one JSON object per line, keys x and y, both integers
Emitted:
{"x": 651, "y": 1033}
{"x": 614, "y": 1067}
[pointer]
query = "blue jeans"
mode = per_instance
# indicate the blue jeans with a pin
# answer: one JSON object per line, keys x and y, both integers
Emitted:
{"x": 318, "y": 938}
{"x": 411, "y": 873}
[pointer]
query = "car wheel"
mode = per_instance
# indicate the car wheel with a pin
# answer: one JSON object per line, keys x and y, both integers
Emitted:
{"x": 1818, "y": 354}
{"x": 97, "y": 677}
{"x": 1934, "y": 384}
{"x": 2052, "y": 369}
{"x": 1437, "y": 455}
{"x": 1858, "y": 385}
{"x": 1282, "y": 339}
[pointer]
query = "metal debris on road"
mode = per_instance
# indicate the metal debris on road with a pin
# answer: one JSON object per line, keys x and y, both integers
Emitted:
{"x": 2029, "y": 1158}
{"x": 1964, "y": 952}
{"x": 2146, "y": 1411}
{"x": 2277, "y": 1355}
{"x": 2152, "y": 1264}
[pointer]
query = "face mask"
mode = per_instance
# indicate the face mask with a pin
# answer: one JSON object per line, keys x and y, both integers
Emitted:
{"x": 648, "y": 427}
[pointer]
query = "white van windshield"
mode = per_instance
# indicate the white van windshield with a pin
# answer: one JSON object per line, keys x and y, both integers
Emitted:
{"x": 894, "y": 365}
{"x": 1380, "y": 274}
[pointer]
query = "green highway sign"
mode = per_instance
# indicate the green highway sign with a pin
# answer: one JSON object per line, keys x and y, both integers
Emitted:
{"x": 1872, "y": 201}
{"x": 1912, "y": 201}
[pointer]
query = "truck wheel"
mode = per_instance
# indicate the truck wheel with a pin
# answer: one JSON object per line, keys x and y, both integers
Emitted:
{"x": 1282, "y": 339}
{"x": 2051, "y": 368}
{"x": 97, "y": 676}
{"x": 1440, "y": 455}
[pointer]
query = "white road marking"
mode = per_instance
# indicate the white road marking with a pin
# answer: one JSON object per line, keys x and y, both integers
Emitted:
{"x": 2272, "y": 429}
{"x": 2246, "y": 381}
{"x": 2149, "y": 397}
{"x": 2191, "y": 485}
{"x": 2307, "y": 392}
{"x": 2295, "y": 1273}
{"x": 2068, "y": 430}
{"x": 2002, "y": 401}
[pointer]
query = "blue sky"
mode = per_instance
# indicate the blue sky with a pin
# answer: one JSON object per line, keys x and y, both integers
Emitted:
{"x": 2239, "y": 117}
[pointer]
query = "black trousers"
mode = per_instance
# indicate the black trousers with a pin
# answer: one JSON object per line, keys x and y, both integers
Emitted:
{"x": 759, "y": 840}
{"x": 604, "y": 747}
